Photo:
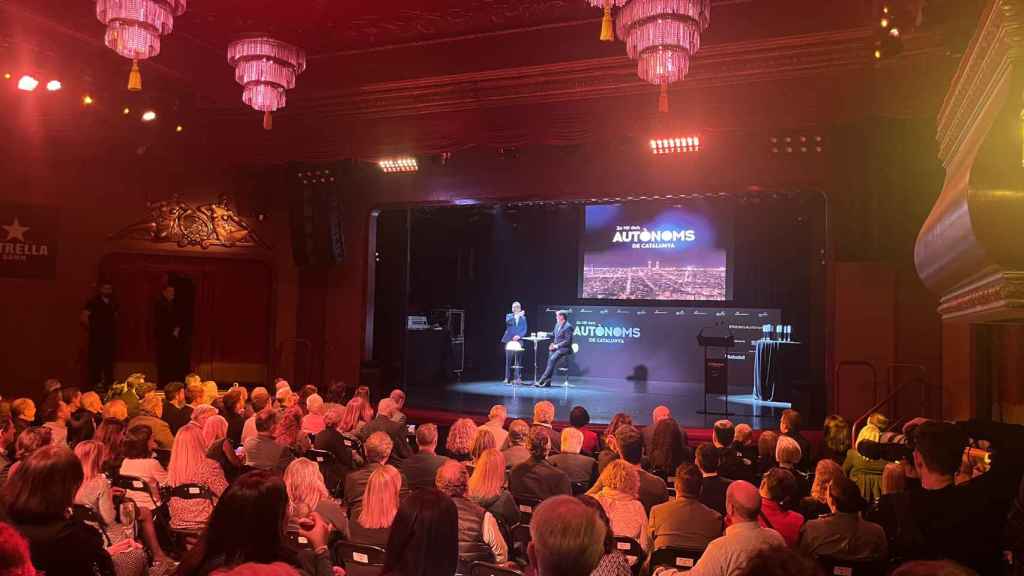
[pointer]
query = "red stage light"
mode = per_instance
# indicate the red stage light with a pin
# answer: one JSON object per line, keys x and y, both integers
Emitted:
{"x": 27, "y": 83}
{"x": 393, "y": 165}
{"x": 675, "y": 145}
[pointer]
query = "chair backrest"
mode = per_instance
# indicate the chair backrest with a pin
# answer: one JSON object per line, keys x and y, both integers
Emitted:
{"x": 351, "y": 554}
{"x": 488, "y": 569}
{"x": 352, "y": 443}
{"x": 130, "y": 483}
{"x": 580, "y": 488}
{"x": 321, "y": 457}
{"x": 298, "y": 541}
{"x": 630, "y": 548}
{"x": 163, "y": 456}
{"x": 676, "y": 557}
{"x": 526, "y": 507}
{"x": 192, "y": 492}
{"x": 837, "y": 567}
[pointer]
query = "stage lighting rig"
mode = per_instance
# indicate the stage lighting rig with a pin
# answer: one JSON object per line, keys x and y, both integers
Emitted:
{"x": 398, "y": 165}
{"x": 54, "y": 85}
{"x": 675, "y": 145}
{"x": 27, "y": 83}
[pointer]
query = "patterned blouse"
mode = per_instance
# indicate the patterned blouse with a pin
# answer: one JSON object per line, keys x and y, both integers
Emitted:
{"x": 192, "y": 514}
{"x": 626, "y": 514}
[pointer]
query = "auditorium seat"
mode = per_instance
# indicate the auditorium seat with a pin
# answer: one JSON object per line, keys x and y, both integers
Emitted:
{"x": 837, "y": 567}
{"x": 526, "y": 507}
{"x": 520, "y": 539}
{"x": 632, "y": 550}
{"x": 359, "y": 559}
{"x": 488, "y": 569}
{"x": 676, "y": 557}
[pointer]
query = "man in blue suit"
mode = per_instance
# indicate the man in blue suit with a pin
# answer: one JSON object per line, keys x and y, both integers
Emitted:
{"x": 560, "y": 347}
{"x": 515, "y": 328}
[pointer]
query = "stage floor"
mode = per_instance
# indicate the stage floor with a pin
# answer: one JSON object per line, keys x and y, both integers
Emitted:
{"x": 603, "y": 398}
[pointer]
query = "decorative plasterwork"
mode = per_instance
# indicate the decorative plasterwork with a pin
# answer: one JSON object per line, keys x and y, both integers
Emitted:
{"x": 997, "y": 296}
{"x": 174, "y": 221}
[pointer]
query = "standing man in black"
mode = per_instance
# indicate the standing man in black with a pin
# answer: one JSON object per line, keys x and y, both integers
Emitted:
{"x": 171, "y": 356}
{"x": 99, "y": 316}
{"x": 560, "y": 347}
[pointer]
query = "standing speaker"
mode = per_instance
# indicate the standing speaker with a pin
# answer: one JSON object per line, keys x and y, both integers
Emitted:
{"x": 316, "y": 217}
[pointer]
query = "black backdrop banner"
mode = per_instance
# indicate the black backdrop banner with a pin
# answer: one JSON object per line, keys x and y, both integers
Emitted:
{"x": 658, "y": 341}
{"x": 28, "y": 242}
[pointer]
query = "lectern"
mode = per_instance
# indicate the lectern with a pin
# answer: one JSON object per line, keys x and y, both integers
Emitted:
{"x": 716, "y": 369}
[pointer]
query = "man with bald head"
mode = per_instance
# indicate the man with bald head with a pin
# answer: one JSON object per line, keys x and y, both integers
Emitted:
{"x": 383, "y": 423}
{"x": 743, "y": 538}
{"x": 567, "y": 538}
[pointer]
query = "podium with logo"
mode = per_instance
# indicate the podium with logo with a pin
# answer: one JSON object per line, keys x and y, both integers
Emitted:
{"x": 716, "y": 341}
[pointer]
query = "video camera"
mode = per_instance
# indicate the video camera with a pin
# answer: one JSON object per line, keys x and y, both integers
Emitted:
{"x": 891, "y": 446}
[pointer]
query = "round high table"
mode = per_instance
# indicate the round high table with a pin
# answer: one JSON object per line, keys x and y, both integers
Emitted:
{"x": 536, "y": 346}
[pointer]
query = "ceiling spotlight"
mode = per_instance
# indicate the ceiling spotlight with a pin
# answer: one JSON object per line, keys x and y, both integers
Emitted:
{"x": 54, "y": 85}
{"x": 675, "y": 145}
{"x": 179, "y": 128}
{"x": 894, "y": 32}
{"x": 884, "y": 22}
{"x": 87, "y": 100}
{"x": 126, "y": 111}
{"x": 7, "y": 75}
{"x": 148, "y": 116}
{"x": 393, "y": 165}
{"x": 27, "y": 83}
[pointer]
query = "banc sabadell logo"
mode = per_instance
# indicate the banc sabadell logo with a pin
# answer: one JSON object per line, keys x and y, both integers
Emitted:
{"x": 597, "y": 331}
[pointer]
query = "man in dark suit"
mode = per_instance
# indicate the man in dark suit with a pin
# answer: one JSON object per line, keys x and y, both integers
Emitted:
{"x": 378, "y": 452}
{"x": 537, "y": 478}
{"x": 331, "y": 440}
{"x": 684, "y": 521}
{"x": 421, "y": 468}
{"x": 515, "y": 328}
{"x": 580, "y": 469}
{"x": 384, "y": 423}
{"x": 713, "y": 490}
{"x": 732, "y": 464}
{"x": 560, "y": 347}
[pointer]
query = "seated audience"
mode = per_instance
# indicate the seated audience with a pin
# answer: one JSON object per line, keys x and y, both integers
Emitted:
{"x": 398, "y": 397}
{"x": 424, "y": 539}
{"x": 543, "y": 417}
{"x": 116, "y": 409}
{"x": 620, "y": 485}
{"x": 867, "y": 472}
{"x": 537, "y": 478}
{"x": 307, "y": 493}
{"x": 789, "y": 456}
{"x": 259, "y": 399}
{"x": 371, "y": 523}
{"x": 303, "y": 400}
{"x": 248, "y": 525}
{"x": 613, "y": 562}
{"x": 713, "y": 486}
{"x": 516, "y": 453}
{"x": 139, "y": 463}
{"x": 174, "y": 412}
{"x": 262, "y": 451}
{"x": 844, "y": 535}
{"x": 313, "y": 421}
{"x": 330, "y": 439}
{"x": 496, "y": 425}
{"x": 210, "y": 392}
{"x": 580, "y": 469}
{"x": 288, "y": 431}
{"x": 23, "y": 414}
{"x": 358, "y": 413}
{"x": 378, "y": 453}
{"x": 110, "y": 433}
{"x": 56, "y": 414}
{"x": 480, "y": 537}
{"x": 667, "y": 449}
{"x": 779, "y": 562}
{"x": 579, "y": 418}
{"x": 219, "y": 448}
{"x": 743, "y": 440}
{"x": 684, "y": 521}
{"x": 789, "y": 425}
{"x": 150, "y": 410}
{"x": 609, "y": 451}
{"x": 883, "y": 510}
{"x": 766, "y": 444}
{"x": 732, "y": 464}
{"x": 36, "y": 499}
{"x": 460, "y": 440}
{"x": 482, "y": 440}
{"x": 629, "y": 446}
{"x": 233, "y": 410}
{"x": 125, "y": 392}
{"x": 384, "y": 423}
{"x": 189, "y": 465}
{"x": 566, "y": 538}
{"x": 88, "y": 416}
{"x": 816, "y": 504}
{"x": 776, "y": 489}
{"x": 836, "y": 441}
{"x": 29, "y": 441}
{"x": 487, "y": 488}
{"x": 657, "y": 415}
{"x": 420, "y": 469}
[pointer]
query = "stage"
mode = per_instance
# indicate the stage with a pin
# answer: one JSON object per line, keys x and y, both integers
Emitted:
{"x": 602, "y": 397}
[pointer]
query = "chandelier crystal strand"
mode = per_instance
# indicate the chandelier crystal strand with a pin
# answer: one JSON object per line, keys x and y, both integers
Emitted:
{"x": 134, "y": 28}
{"x": 607, "y": 27}
{"x": 265, "y": 68}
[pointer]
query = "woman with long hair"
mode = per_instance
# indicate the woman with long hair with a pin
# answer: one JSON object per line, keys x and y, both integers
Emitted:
{"x": 36, "y": 498}
{"x": 380, "y": 504}
{"x": 219, "y": 447}
{"x": 618, "y": 491}
{"x": 288, "y": 431}
{"x": 307, "y": 492}
{"x": 29, "y": 441}
{"x": 424, "y": 539}
{"x": 110, "y": 433}
{"x": 836, "y": 440}
{"x": 767, "y": 442}
{"x": 614, "y": 562}
{"x": 482, "y": 440}
{"x": 248, "y": 525}
{"x": 358, "y": 413}
{"x": 816, "y": 505}
{"x": 189, "y": 465}
{"x": 487, "y": 488}
{"x": 139, "y": 462}
{"x": 460, "y": 440}
{"x": 668, "y": 449}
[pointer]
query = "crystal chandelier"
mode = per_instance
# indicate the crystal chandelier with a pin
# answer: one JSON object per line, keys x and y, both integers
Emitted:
{"x": 134, "y": 28}
{"x": 265, "y": 68}
{"x": 662, "y": 35}
{"x": 607, "y": 33}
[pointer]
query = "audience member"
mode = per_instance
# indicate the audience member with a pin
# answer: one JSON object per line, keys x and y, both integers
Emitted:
{"x": 91, "y": 410}
{"x": 111, "y": 433}
{"x": 657, "y": 415}
{"x": 15, "y": 559}
{"x": 516, "y": 453}
{"x": 778, "y": 562}
{"x": 732, "y": 464}
{"x": 684, "y": 521}
{"x": 420, "y": 469}
{"x": 789, "y": 425}
{"x": 789, "y": 455}
{"x": 496, "y": 425}
{"x": 836, "y": 441}
{"x": 174, "y": 406}
{"x": 713, "y": 486}
{"x": 358, "y": 413}
{"x": 384, "y": 423}
{"x": 23, "y": 414}
{"x": 777, "y": 488}
{"x": 139, "y": 463}
{"x": 307, "y": 493}
{"x": 398, "y": 397}
{"x": 482, "y": 440}
{"x": 460, "y": 440}
{"x": 480, "y": 538}
{"x": 816, "y": 504}
{"x": 883, "y": 510}
{"x": 487, "y": 488}
{"x": 378, "y": 453}
{"x": 667, "y": 449}
{"x": 537, "y": 478}
{"x": 116, "y": 409}
{"x": 210, "y": 392}
{"x": 371, "y": 524}
{"x": 302, "y": 401}
{"x": 219, "y": 447}
{"x": 580, "y": 469}
{"x": 288, "y": 431}
{"x": 844, "y": 535}
{"x": 234, "y": 412}
{"x": 566, "y": 538}
{"x": 766, "y": 444}
{"x": 313, "y": 421}
{"x": 29, "y": 441}
{"x": 544, "y": 416}
{"x": 579, "y": 418}
{"x": 424, "y": 537}
{"x": 150, "y": 410}
{"x": 619, "y": 487}
{"x": 867, "y": 472}
{"x": 259, "y": 399}
{"x": 743, "y": 439}
{"x": 262, "y": 452}
{"x": 80, "y": 423}
{"x": 613, "y": 562}
{"x": 330, "y": 439}
{"x": 190, "y": 466}
{"x": 125, "y": 392}
{"x": 629, "y": 446}
{"x": 56, "y": 414}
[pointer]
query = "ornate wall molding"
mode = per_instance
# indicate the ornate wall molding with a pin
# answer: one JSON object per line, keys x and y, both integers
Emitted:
{"x": 174, "y": 221}
{"x": 996, "y": 296}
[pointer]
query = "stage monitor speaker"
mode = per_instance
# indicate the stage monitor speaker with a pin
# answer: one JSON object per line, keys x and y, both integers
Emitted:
{"x": 316, "y": 217}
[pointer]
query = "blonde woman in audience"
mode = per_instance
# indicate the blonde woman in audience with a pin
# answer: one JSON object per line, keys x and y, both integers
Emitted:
{"x": 194, "y": 392}
{"x": 380, "y": 504}
{"x": 618, "y": 495}
{"x": 201, "y": 413}
{"x": 219, "y": 447}
{"x": 308, "y": 493}
{"x": 460, "y": 440}
{"x": 482, "y": 440}
{"x": 189, "y": 465}
{"x": 97, "y": 495}
{"x": 487, "y": 488}
{"x": 865, "y": 472}
{"x": 210, "y": 392}
{"x": 816, "y": 505}
{"x": 91, "y": 402}
{"x": 313, "y": 421}
{"x": 115, "y": 409}
{"x": 788, "y": 455}
{"x": 355, "y": 417}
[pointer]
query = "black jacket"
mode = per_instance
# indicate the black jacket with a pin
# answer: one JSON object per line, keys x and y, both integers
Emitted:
{"x": 68, "y": 548}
